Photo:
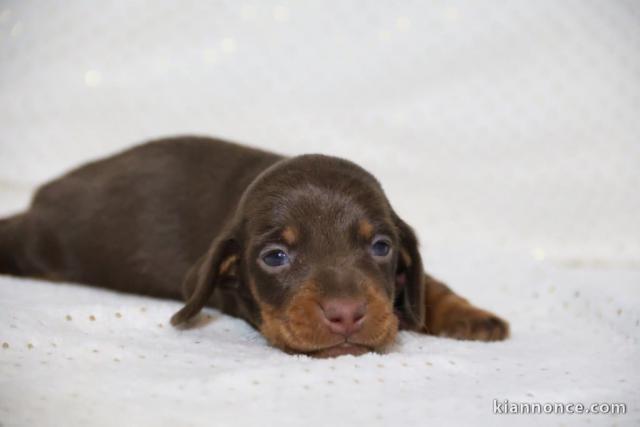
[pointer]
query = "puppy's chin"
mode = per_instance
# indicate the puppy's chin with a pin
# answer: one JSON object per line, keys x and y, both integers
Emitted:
{"x": 341, "y": 350}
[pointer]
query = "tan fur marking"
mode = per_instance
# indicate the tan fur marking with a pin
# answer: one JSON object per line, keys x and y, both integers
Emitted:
{"x": 453, "y": 316}
{"x": 382, "y": 323}
{"x": 290, "y": 235}
{"x": 365, "y": 229}
{"x": 270, "y": 327}
{"x": 227, "y": 266}
{"x": 406, "y": 258}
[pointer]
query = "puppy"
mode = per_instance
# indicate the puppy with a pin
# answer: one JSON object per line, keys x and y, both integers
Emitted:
{"x": 306, "y": 249}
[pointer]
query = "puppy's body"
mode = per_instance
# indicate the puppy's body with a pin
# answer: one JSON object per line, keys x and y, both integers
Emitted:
{"x": 144, "y": 220}
{"x": 136, "y": 221}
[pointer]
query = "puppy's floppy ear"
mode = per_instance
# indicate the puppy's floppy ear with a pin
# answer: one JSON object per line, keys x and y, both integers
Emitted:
{"x": 409, "y": 300}
{"x": 215, "y": 268}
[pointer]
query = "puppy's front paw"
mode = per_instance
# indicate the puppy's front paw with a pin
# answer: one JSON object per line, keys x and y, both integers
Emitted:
{"x": 471, "y": 323}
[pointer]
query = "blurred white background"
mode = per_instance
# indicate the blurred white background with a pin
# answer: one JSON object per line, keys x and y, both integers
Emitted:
{"x": 511, "y": 126}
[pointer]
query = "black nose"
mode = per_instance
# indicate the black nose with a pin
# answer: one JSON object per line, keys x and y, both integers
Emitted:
{"x": 344, "y": 316}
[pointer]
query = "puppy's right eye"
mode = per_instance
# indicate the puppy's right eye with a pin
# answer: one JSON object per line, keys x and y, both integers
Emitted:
{"x": 274, "y": 258}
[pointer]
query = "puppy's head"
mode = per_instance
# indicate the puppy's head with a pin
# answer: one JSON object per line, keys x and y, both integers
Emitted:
{"x": 322, "y": 255}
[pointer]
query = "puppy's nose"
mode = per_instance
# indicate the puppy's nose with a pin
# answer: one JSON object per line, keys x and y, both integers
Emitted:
{"x": 344, "y": 316}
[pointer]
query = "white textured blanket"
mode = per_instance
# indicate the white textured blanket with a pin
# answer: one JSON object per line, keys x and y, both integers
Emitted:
{"x": 80, "y": 356}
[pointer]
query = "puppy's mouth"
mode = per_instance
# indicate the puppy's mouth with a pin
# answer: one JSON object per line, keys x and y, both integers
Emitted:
{"x": 342, "y": 349}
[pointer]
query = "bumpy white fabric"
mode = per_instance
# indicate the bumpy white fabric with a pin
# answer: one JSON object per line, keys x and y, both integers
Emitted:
{"x": 506, "y": 133}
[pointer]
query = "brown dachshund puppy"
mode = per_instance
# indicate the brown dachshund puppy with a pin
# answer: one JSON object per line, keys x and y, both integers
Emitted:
{"x": 306, "y": 249}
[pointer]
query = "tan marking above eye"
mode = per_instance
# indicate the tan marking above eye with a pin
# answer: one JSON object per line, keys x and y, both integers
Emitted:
{"x": 290, "y": 235}
{"x": 365, "y": 229}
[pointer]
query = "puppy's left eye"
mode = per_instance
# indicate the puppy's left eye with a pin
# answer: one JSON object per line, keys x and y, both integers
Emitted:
{"x": 381, "y": 247}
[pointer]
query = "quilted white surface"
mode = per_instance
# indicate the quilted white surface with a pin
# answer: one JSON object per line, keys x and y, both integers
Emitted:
{"x": 507, "y": 134}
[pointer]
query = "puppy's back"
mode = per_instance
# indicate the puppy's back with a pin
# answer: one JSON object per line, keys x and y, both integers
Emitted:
{"x": 134, "y": 221}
